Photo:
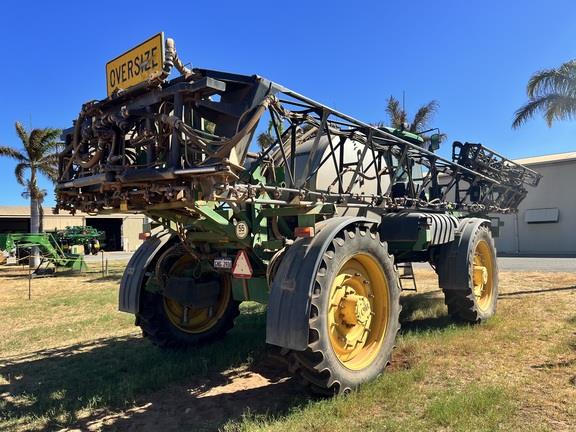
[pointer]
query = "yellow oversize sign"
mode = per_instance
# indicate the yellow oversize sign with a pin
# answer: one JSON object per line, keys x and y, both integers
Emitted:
{"x": 136, "y": 65}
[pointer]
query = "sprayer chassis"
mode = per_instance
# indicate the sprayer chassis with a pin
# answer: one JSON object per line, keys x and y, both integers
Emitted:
{"x": 322, "y": 216}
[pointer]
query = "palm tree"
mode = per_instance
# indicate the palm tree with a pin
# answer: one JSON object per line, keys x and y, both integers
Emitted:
{"x": 398, "y": 117}
{"x": 39, "y": 156}
{"x": 552, "y": 92}
{"x": 266, "y": 139}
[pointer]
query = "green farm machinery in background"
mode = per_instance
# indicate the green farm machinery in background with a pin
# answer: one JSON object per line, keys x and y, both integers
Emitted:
{"x": 51, "y": 254}
{"x": 88, "y": 237}
{"x": 57, "y": 249}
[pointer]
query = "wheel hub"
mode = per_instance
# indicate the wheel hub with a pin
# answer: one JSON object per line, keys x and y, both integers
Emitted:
{"x": 188, "y": 318}
{"x": 480, "y": 278}
{"x": 354, "y": 309}
{"x": 358, "y": 306}
{"x": 482, "y": 272}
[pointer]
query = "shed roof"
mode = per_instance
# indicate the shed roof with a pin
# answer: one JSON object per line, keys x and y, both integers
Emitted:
{"x": 546, "y": 159}
{"x": 24, "y": 211}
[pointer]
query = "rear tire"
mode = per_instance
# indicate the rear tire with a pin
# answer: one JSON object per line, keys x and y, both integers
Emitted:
{"x": 169, "y": 324}
{"x": 468, "y": 274}
{"x": 354, "y": 316}
{"x": 162, "y": 332}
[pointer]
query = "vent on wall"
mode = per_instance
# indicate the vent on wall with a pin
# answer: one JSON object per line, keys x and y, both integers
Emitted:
{"x": 544, "y": 215}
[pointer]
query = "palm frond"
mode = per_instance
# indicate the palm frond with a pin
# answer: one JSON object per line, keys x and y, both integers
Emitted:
{"x": 561, "y": 80}
{"x": 51, "y": 159}
{"x": 396, "y": 115}
{"x": 527, "y": 111}
{"x": 34, "y": 144}
{"x": 49, "y": 171}
{"x": 423, "y": 116}
{"x": 553, "y": 106}
{"x": 12, "y": 153}
{"x": 21, "y": 131}
{"x": 33, "y": 191}
{"x": 53, "y": 147}
{"x": 42, "y": 142}
{"x": 19, "y": 172}
{"x": 51, "y": 136}
{"x": 560, "y": 107}
{"x": 265, "y": 140}
{"x": 270, "y": 130}
{"x": 36, "y": 136}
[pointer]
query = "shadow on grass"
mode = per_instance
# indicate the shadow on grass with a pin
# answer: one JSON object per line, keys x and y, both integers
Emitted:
{"x": 540, "y": 291}
{"x": 109, "y": 278}
{"x": 424, "y": 312}
{"x": 118, "y": 373}
{"x": 64, "y": 272}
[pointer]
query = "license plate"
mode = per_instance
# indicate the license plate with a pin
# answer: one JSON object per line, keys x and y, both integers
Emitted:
{"x": 224, "y": 263}
{"x": 136, "y": 65}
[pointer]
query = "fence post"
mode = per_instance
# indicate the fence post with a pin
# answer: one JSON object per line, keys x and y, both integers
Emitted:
{"x": 29, "y": 283}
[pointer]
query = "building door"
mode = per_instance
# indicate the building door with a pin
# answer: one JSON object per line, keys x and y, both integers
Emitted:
{"x": 15, "y": 225}
{"x": 113, "y": 229}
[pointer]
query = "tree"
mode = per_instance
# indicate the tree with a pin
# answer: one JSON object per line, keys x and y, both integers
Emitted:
{"x": 39, "y": 156}
{"x": 398, "y": 117}
{"x": 552, "y": 92}
{"x": 266, "y": 139}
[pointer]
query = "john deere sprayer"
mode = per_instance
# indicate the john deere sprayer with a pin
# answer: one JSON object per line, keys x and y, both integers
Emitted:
{"x": 314, "y": 226}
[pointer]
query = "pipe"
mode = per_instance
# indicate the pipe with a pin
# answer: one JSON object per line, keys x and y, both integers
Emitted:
{"x": 175, "y": 140}
{"x": 174, "y": 59}
{"x": 152, "y": 174}
{"x": 86, "y": 181}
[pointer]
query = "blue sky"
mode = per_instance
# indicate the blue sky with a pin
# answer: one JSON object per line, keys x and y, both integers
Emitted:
{"x": 473, "y": 57}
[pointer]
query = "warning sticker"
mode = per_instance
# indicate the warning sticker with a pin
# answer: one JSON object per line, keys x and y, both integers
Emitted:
{"x": 242, "y": 268}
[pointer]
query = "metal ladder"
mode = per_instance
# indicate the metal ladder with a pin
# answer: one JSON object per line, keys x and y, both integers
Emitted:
{"x": 406, "y": 272}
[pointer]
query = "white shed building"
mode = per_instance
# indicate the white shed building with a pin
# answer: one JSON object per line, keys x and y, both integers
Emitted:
{"x": 545, "y": 224}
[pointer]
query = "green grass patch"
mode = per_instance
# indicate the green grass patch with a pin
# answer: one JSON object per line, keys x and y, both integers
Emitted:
{"x": 473, "y": 408}
{"x": 395, "y": 402}
{"x": 366, "y": 409}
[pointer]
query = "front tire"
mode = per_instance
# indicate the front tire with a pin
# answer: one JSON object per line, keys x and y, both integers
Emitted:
{"x": 354, "y": 316}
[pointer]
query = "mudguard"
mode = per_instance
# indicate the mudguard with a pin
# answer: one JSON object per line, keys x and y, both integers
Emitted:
{"x": 133, "y": 277}
{"x": 290, "y": 294}
{"x": 453, "y": 270}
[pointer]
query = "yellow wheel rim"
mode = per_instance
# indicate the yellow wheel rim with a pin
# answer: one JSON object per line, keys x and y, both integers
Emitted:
{"x": 358, "y": 311}
{"x": 190, "y": 319}
{"x": 483, "y": 272}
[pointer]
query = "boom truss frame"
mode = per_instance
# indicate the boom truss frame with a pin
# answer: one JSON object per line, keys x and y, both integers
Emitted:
{"x": 166, "y": 127}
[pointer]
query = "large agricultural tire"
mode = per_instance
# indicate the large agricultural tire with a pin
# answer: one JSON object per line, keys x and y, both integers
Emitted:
{"x": 471, "y": 291}
{"x": 169, "y": 325}
{"x": 354, "y": 316}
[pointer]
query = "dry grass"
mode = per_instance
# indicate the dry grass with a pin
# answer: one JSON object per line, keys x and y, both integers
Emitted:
{"x": 67, "y": 357}
{"x": 63, "y": 310}
{"x": 529, "y": 348}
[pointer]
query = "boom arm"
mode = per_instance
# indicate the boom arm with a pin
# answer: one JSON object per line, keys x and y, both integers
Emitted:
{"x": 189, "y": 138}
